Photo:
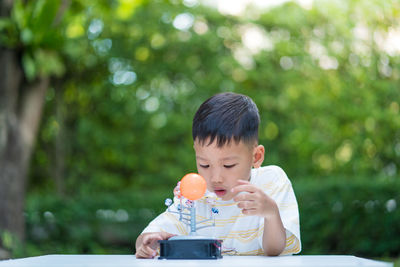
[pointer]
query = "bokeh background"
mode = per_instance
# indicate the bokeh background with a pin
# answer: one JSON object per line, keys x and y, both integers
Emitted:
{"x": 97, "y": 100}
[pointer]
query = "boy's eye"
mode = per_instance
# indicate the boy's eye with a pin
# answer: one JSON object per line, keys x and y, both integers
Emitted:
{"x": 204, "y": 166}
{"x": 229, "y": 166}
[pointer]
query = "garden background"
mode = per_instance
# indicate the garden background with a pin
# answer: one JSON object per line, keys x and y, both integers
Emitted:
{"x": 97, "y": 98}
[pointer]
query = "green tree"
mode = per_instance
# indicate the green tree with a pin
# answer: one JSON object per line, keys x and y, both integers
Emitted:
{"x": 28, "y": 58}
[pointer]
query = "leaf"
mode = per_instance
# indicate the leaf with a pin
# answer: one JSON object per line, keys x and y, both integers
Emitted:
{"x": 44, "y": 14}
{"x": 42, "y": 21}
{"x": 26, "y": 36}
{"x": 7, "y": 239}
{"x": 49, "y": 63}
{"x": 127, "y": 8}
{"x": 29, "y": 67}
{"x": 4, "y": 23}
{"x": 19, "y": 14}
{"x": 75, "y": 27}
{"x": 7, "y": 32}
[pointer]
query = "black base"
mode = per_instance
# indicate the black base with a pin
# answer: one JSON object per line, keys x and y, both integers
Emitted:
{"x": 206, "y": 249}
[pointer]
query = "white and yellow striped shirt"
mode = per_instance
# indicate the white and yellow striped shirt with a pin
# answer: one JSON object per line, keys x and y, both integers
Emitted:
{"x": 241, "y": 234}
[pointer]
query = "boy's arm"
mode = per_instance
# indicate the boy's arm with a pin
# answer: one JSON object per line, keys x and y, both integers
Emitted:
{"x": 274, "y": 235}
{"x": 256, "y": 202}
{"x": 147, "y": 244}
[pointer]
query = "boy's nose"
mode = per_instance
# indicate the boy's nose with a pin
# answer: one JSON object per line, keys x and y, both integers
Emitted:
{"x": 216, "y": 177}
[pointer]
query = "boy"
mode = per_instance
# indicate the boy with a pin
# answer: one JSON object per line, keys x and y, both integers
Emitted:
{"x": 258, "y": 213}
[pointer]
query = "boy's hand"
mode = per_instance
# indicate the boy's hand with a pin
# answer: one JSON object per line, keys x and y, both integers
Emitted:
{"x": 147, "y": 244}
{"x": 254, "y": 201}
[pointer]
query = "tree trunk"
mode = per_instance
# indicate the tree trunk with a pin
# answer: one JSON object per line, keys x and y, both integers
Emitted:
{"x": 20, "y": 112}
{"x": 12, "y": 181}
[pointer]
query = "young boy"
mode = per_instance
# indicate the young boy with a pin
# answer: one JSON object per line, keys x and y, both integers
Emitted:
{"x": 258, "y": 213}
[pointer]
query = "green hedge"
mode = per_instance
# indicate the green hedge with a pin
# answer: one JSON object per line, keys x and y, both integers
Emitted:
{"x": 346, "y": 216}
{"x": 358, "y": 217}
{"x": 98, "y": 223}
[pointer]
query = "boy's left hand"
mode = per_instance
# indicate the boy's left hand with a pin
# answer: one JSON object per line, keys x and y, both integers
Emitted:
{"x": 254, "y": 201}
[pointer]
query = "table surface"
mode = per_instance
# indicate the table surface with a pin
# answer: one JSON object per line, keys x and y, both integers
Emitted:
{"x": 230, "y": 261}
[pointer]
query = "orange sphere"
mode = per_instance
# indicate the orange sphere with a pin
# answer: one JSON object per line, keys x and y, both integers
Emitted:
{"x": 193, "y": 186}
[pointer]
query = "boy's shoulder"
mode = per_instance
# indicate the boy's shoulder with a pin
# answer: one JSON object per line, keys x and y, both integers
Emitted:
{"x": 269, "y": 174}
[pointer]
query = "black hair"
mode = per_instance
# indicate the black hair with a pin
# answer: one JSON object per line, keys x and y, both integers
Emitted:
{"x": 224, "y": 117}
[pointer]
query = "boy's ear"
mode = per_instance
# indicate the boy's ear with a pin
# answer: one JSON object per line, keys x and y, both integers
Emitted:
{"x": 258, "y": 156}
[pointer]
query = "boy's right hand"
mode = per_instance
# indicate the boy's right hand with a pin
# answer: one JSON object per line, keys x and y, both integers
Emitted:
{"x": 147, "y": 244}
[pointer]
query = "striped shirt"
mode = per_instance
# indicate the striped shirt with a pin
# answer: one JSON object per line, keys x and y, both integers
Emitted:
{"x": 241, "y": 234}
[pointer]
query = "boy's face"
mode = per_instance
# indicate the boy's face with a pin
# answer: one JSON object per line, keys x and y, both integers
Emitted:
{"x": 223, "y": 166}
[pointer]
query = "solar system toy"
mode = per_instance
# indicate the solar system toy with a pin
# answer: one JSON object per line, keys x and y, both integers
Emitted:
{"x": 193, "y": 246}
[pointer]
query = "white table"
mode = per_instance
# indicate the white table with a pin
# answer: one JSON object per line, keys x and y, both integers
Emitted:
{"x": 227, "y": 261}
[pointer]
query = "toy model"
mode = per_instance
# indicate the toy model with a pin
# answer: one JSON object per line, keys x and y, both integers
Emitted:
{"x": 191, "y": 188}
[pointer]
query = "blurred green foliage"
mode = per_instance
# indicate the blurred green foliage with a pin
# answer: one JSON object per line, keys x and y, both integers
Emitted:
{"x": 327, "y": 94}
{"x": 358, "y": 215}
{"x": 129, "y": 76}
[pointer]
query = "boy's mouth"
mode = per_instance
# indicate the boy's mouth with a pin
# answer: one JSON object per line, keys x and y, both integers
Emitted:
{"x": 220, "y": 192}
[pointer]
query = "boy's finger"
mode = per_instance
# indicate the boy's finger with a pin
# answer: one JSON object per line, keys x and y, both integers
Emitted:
{"x": 249, "y": 212}
{"x": 241, "y": 195}
{"x": 150, "y": 252}
{"x": 165, "y": 235}
{"x": 245, "y": 204}
{"x": 244, "y": 188}
{"x": 148, "y": 239}
{"x": 243, "y": 181}
{"x": 145, "y": 253}
{"x": 141, "y": 255}
{"x": 244, "y": 196}
{"x": 151, "y": 239}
